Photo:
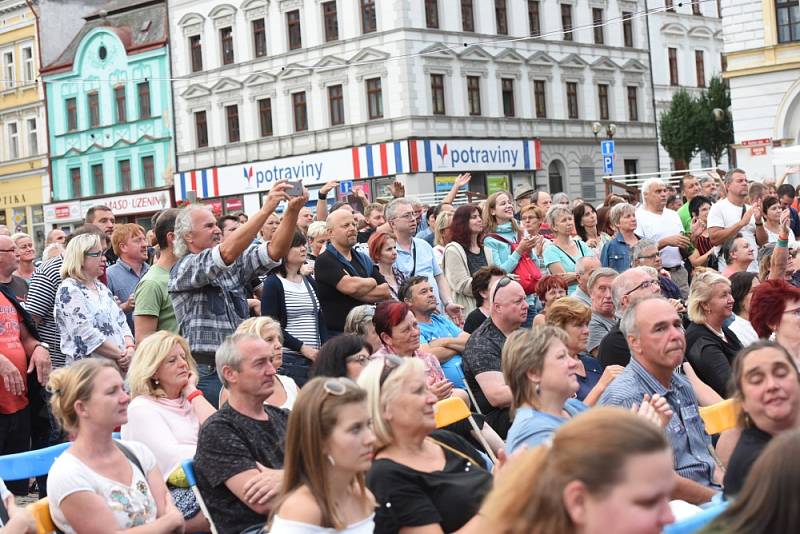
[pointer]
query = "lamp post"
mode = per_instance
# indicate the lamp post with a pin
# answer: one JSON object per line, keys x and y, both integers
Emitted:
{"x": 611, "y": 129}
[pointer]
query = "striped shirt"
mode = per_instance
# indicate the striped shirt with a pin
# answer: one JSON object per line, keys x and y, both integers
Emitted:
{"x": 41, "y": 302}
{"x": 301, "y": 315}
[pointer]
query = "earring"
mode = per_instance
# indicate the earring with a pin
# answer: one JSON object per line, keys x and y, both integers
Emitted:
{"x": 155, "y": 380}
{"x": 538, "y": 390}
{"x": 331, "y": 460}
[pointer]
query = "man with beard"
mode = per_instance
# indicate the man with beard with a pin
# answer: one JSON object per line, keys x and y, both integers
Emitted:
{"x": 130, "y": 247}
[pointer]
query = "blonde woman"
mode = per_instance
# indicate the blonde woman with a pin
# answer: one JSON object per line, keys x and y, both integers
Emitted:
{"x": 90, "y": 321}
{"x": 27, "y": 255}
{"x": 440, "y": 232}
{"x": 166, "y": 412}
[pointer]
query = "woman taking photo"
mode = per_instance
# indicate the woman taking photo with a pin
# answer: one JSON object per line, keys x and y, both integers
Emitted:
{"x": 742, "y": 286}
{"x": 343, "y": 356}
{"x": 710, "y": 346}
{"x": 606, "y": 470}
{"x": 290, "y": 298}
{"x": 585, "y": 219}
{"x": 424, "y": 480}
{"x": 617, "y": 252}
{"x": 166, "y": 412}
{"x": 89, "y": 319}
{"x": 464, "y": 255}
{"x": 549, "y": 289}
{"x": 483, "y": 279}
{"x": 562, "y": 256}
{"x": 766, "y": 385}
{"x": 383, "y": 251}
{"x": 329, "y": 447}
{"x": 98, "y": 485}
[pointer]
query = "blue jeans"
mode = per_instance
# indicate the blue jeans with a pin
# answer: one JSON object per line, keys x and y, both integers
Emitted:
{"x": 209, "y": 383}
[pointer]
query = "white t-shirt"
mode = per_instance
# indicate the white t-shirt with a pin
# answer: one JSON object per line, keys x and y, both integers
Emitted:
{"x": 286, "y": 526}
{"x": 724, "y": 214}
{"x": 132, "y": 505}
{"x": 655, "y": 226}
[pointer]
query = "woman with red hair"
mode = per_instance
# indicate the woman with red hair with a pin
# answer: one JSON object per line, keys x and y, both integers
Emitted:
{"x": 383, "y": 251}
{"x": 549, "y": 289}
{"x": 775, "y": 308}
{"x": 464, "y": 254}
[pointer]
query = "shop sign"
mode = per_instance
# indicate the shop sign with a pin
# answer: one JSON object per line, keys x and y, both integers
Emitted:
{"x": 233, "y": 204}
{"x": 756, "y": 142}
{"x": 13, "y": 199}
{"x": 63, "y": 211}
{"x": 758, "y": 150}
{"x": 468, "y": 155}
{"x": 131, "y": 204}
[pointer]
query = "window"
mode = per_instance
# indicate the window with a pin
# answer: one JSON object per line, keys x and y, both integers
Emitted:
{"x": 673, "y": 65}
{"x": 700, "y": 68}
{"x": 143, "y": 90}
{"x": 300, "y": 111}
{"x": 627, "y": 29}
{"x": 148, "y": 172}
{"x": 8, "y": 68}
{"x": 602, "y": 99}
{"x": 474, "y": 95}
{"x": 28, "y": 66}
{"x": 33, "y": 137}
{"x": 97, "y": 179}
{"x": 293, "y": 26}
{"x": 572, "y": 100}
{"x": 13, "y": 141}
{"x": 467, "y": 16}
{"x": 72, "y": 114}
{"x": 196, "y": 51}
{"x": 124, "y": 173}
{"x": 633, "y": 103}
{"x": 374, "y": 98}
{"x": 668, "y": 5}
{"x": 501, "y": 17}
{"x": 330, "y": 21}
{"x": 119, "y": 101}
{"x": 534, "y": 21}
{"x": 631, "y": 166}
{"x": 507, "y": 89}
{"x": 336, "y": 105}
{"x": 201, "y": 129}
{"x": 369, "y": 22}
{"x": 265, "y": 117}
{"x": 696, "y": 8}
{"x": 432, "y": 13}
{"x": 566, "y": 21}
{"x": 539, "y": 99}
{"x": 75, "y": 181}
{"x": 232, "y": 121}
{"x": 226, "y": 45}
{"x": 597, "y": 19}
{"x": 93, "y": 100}
{"x": 437, "y": 94}
{"x": 259, "y": 38}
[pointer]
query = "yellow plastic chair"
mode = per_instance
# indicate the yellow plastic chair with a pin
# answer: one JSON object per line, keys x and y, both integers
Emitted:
{"x": 721, "y": 416}
{"x": 40, "y": 510}
{"x": 449, "y": 411}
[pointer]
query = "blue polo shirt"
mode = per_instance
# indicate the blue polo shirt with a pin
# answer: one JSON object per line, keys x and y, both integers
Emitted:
{"x": 439, "y": 327}
{"x": 532, "y": 427}
{"x": 122, "y": 281}
{"x": 425, "y": 264}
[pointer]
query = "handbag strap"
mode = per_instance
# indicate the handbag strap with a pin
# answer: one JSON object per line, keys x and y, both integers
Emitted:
{"x": 454, "y": 451}
{"x": 130, "y": 456}
{"x": 315, "y": 304}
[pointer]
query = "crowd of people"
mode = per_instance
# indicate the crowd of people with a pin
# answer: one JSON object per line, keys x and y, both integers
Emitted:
{"x": 302, "y": 357}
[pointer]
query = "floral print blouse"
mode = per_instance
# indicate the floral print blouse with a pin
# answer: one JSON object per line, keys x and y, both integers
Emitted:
{"x": 86, "y": 319}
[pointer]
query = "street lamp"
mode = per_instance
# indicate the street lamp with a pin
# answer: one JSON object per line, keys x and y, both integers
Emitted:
{"x": 611, "y": 129}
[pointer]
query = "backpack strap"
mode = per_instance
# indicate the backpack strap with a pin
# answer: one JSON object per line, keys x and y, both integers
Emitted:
{"x": 130, "y": 456}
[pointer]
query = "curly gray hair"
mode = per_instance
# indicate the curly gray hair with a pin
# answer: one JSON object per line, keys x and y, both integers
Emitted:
{"x": 183, "y": 225}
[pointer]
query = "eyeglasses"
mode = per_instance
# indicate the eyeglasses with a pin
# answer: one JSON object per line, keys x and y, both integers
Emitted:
{"x": 95, "y": 254}
{"x": 503, "y": 282}
{"x": 649, "y": 256}
{"x": 795, "y": 312}
{"x": 8, "y": 250}
{"x": 408, "y": 216}
{"x": 644, "y": 285}
{"x": 359, "y": 358}
{"x": 390, "y": 363}
{"x": 337, "y": 386}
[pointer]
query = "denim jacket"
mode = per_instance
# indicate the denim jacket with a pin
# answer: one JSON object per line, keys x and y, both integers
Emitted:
{"x": 616, "y": 254}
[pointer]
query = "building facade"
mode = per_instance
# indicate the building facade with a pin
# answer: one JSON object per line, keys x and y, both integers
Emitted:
{"x": 686, "y": 52}
{"x": 24, "y": 180}
{"x": 762, "y": 47}
{"x": 109, "y": 112}
{"x": 373, "y": 90}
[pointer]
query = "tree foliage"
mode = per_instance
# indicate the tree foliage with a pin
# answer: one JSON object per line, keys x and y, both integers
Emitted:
{"x": 717, "y": 135}
{"x": 680, "y": 129}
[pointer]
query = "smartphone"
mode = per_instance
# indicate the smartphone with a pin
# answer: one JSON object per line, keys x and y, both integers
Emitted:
{"x": 296, "y": 189}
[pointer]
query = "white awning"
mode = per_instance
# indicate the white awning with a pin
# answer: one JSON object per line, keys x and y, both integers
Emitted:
{"x": 789, "y": 155}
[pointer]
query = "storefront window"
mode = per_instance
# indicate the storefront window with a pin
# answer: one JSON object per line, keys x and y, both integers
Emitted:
{"x": 496, "y": 182}
{"x": 37, "y": 217}
{"x": 19, "y": 219}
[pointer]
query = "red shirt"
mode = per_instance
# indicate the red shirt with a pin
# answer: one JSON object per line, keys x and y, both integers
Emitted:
{"x": 11, "y": 347}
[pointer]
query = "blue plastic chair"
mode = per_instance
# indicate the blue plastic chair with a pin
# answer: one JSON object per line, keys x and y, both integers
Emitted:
{"x": 697, "y": 522}
{"x": 23, "y": 465}
{"x": 188, "y": 470}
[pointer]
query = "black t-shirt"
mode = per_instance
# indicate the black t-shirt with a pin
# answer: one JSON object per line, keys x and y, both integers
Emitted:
{"x": 711, "y": 356}
{"x": 475, "y": 261}
{"x": 410, "y": 498}
{"x": 19, "y": 287}
{"x": 365, "y": 234}
{"x": 613, "y": 349}
{"x": 231, "y": 443}
{"x": 328, "y": 271}
{"x": 474, "y": 320}
{"x": 751, "y": 443}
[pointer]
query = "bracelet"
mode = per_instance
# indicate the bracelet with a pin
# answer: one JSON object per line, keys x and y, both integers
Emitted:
{"x": 784, "y": 243}
{"x": 45, "y": 346}
{"x": 193, "y": 395}
{"x": 759, "y": 224}
{"x": 322, "y": 197}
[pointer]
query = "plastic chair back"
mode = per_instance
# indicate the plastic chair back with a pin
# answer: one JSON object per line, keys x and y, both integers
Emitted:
{"x": 40, "y": 510}
{"x": 188, "y": 470}
{"x": 449, "y": 411}
{"x": 694, "y": 524}
{"x": 23, "y": 465}
{"x": 720, "y": 416}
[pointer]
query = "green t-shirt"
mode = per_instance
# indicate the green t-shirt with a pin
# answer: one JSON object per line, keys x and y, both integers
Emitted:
{"x": 686, "y": 217}
{"x": 153, "y": 299}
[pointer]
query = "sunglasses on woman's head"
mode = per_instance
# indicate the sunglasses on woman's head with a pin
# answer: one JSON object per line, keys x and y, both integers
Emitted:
{"x": 390, "y": 363}
{"x": 338, "y": 386}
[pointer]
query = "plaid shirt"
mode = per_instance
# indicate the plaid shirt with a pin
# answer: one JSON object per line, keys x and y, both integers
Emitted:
{"x": 209, "y": 297}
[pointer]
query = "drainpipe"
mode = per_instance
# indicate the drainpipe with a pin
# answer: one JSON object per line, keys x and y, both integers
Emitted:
{"x": 652, "y": 83}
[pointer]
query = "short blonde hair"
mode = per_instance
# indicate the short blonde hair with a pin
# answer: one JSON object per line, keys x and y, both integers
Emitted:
{"x": 150, "y": 354}
{"x": 20, "y": 235}
{"x": 555, "y": 211}
{"x": 69, "y": 385}
{"x": 256, "y": 325}
{"x": 75, "y": 255}
{"x": 524, "y": 351}
{"x": 618, "y": 211}
{"x": 379, "y": 396}
{"x": 317, "y": 229}
{"x": 568, "y": 311}
{"x": 124, "y": 232}
{"x": 443, "y": 221}
{"x": 532, "y": 208}
{"x": 700, "y": 293}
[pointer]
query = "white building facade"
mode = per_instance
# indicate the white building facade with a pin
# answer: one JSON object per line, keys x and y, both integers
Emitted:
{"x": 762, "y": 47}
{"x": 686, "y": 49}
{"x": 416, "y": 90}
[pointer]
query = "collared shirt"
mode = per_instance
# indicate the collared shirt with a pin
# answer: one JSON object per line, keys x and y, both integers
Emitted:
{"x": 122, "y": 281}
{"x": 686, "y": 433}
{"x": 616, "y": 254}
{"x": 425, "y": 265}
{"x": 433, "y": 369}
{"x": 209, "y": 297}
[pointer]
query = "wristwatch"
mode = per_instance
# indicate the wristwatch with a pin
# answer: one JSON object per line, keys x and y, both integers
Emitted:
{"x": 42, "y": 344}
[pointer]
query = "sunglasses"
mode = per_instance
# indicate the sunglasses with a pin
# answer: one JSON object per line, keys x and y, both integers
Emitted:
{"x": 503, "y": 282}
{"x": 390, "y": 363}
{"x": 95, "y": 254}
{"x": 338, "y": 386}
{"x": 358, "y": 358}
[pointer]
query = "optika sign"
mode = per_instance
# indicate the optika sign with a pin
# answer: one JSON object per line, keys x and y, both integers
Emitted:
{"x": 434, "y": 155}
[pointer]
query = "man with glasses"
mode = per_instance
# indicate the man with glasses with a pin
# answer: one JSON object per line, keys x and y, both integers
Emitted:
{"x": 482, "y": 353}
{"x": 103, "y": 218}
{"x": 645, "y": 254}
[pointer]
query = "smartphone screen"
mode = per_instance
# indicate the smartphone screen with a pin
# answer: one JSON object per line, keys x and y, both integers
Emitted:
{"x": 296, "y": 189}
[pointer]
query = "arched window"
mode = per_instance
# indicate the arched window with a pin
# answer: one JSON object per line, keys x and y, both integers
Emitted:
{"x": 555, "y": 176}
